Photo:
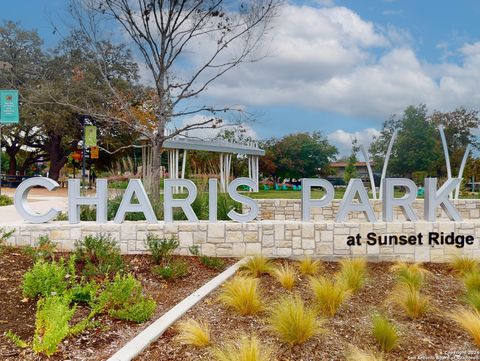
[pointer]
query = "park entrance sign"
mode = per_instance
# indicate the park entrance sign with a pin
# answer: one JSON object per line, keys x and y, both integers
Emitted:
{"x": 355, "y": 200}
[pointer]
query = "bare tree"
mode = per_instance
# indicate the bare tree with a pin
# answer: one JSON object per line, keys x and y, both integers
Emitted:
{"x": 165, "y": 33}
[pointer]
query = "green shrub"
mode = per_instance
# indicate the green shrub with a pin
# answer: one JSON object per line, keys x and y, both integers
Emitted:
{"x": 214, "y": 263}
{"x": 384, "y": 332}
{"x": 224, "y": 205}
{"x": 17, "y": 341}
{"x": 123, "y": 299}
{"x": 4, "y": 236}
{"x": 175, "y": 269}
{"x": 99, "y": 255}
{"x": 84, "y": 292}
{"x": 46, "y": 278}
{"x": 5, "y": 200}
{"x": 51, "y": 323}
{"x": 161, "y": 249}
{"x": 44, "y": 249}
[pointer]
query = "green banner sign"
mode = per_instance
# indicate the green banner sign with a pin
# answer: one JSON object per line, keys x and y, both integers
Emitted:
{"x": 90, "y": 136}
{"x": 9, "y": 106}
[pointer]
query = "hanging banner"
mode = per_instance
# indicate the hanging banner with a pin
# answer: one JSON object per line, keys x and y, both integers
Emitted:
{"x": 93, "y": 152}
{"x": 90, "y": 136}
{"x": 9, "y": 107}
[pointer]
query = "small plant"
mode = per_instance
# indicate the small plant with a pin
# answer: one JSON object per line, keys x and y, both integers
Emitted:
{"x": 471, "y": 280}
{"x": 84, "y": 292}
{"x": 385, "y": 332}
{"x": 214, "y": 263}
{"x": 5, "y": 200}
{"x": 46, "y": 279}
{"x": 246, "y": 349}
{"x": 353, "y": 273}
{"x": 285, "y": 275}
{"x": 241, "y": 293}
{"x": 99, "y": 255}
{"x": 123, "y": 299}
{"x": 257, "y": 265}
{"x": 51, "y": 323}
{"x": 473, "y": 299}
{"x": 195, "y": 333}
{"x": 4, "y": 236}
{"x": 292, "y": 321}
{"x": 161, "y": 249}
{"x": 329, "y": 294}
{"x": 309, "y": 267}
{"x": 463, "y": 265}
{"x": 355, "y": 354}
{"x": 411, "y": 274}
{"x": 174, "y": 270}
{"x": 17, "y": 341}
{"x": 469, "y": 320}
{"x": 411, "y": 300}
{"x": 43, "y": 249}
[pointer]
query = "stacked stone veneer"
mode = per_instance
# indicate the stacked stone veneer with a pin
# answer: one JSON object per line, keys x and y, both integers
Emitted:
{"x": 291, "y": 209}
{"x": 324, "y": 239}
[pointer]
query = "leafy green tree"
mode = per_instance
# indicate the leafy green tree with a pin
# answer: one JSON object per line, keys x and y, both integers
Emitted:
{"x": 351, "y": 168}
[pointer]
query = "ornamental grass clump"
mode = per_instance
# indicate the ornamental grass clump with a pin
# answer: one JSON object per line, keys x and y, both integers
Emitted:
{"x": 471, "y": 280}
{"x": 192, "y": 332}
{"x": 257, "y": 265}
{"x": 285, "y": 275}
{"x": 242, "y": 294}
{"x": 384, "y": 332}
{"x": 469, "y": 320}
{"x": 411, "y": 274}
{"x": 472, "y": 298}
{"x": 309, "y": 267}
{"x": 355, "y": 354}
{"x": 462, "y": 265}
{"x": 245, "y": 349}
{"x": 411, "y": 300}
{"x": 329, "y": 294}
{"x": 292, "y": 321}
{"x": 353, "y": 273}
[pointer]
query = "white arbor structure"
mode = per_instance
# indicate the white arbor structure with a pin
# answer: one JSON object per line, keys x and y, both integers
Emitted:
{"x": 176, "y": 145}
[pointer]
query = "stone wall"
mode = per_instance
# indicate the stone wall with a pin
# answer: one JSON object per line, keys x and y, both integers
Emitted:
{"x": 326, "y": 239}
{"x": 290, "y": 209}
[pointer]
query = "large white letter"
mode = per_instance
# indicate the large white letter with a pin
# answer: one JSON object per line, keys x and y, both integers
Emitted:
{"x": 135, "y": 187}
{"x": 75, "y": 200}
{"x": 434, "y": 198}
{"x": 307, "y": 202}
{"x": 169, "y": 202}
{"x": 212, "y": 199}
{"x": 21, "y": 204}
{"x": 232, "y": 192}
{"x": 346, "y": 206}
{"x": 405, "y": 202}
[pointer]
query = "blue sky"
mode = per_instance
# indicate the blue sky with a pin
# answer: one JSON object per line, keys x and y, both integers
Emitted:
{"x": 339, "y": 66}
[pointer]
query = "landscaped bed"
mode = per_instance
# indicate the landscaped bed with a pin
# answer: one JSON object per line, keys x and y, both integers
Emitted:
{"x": 430, "y": 332}
{"x": 107, "y": 333}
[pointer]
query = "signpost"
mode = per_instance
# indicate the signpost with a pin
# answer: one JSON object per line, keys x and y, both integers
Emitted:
{"x": 8, "y": 112}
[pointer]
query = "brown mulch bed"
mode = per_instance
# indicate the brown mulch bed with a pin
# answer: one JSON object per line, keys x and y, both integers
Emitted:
{"x": 18, "y": 315}
{"x": 433, "y": 334}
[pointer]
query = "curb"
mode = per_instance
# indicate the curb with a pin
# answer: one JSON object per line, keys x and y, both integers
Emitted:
{"x": 140, "y": 342}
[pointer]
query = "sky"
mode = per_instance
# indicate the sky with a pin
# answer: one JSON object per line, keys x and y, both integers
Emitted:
{"x": 338, "y": 66}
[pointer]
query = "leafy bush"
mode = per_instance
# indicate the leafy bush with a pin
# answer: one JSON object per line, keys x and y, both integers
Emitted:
{"x": 84, "y": 292}
{"x": 175, "y": 269}
{"x": 5, "y": 200}
{"x": 246, "y": 349}
{"x": 463, "y": 265}
{"x": 411, "y": 274}
{"x": 292, "y": 322}
{"x": 309, "y": 267}
{"x": 4, "y": 236}
{"x": 99, "y": 255}
{"x": 414, "y": 303}
{"x": 46, "y": 278}
{"x": 123, "y": 298}
{"x": 242, "y": 294}
{"x": 51, "y": 323}
{"x": 224, "y": 205}
{"x": 385, "y": 332}
{"x": 257, "y": 265}
{"x": 353, "y": 273}
{"x": 329, "y": 294}
{"x": 161, "y": 249}
{"x": 214, "y": 263}
{"x": 469, "y": 320}
{"x": 43, "y": 249}
{"x": 192, "y": 332}
{"x": 285, "y": 275}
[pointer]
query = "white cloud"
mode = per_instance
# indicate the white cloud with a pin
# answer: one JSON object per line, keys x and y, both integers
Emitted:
{"x": 343, "y": 140}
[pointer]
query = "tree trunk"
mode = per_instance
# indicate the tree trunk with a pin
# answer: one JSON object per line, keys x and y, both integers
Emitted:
{"x": 156, "y": 167}
{"x": 12, "y": 168}
{"x": 57, "y": 156}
